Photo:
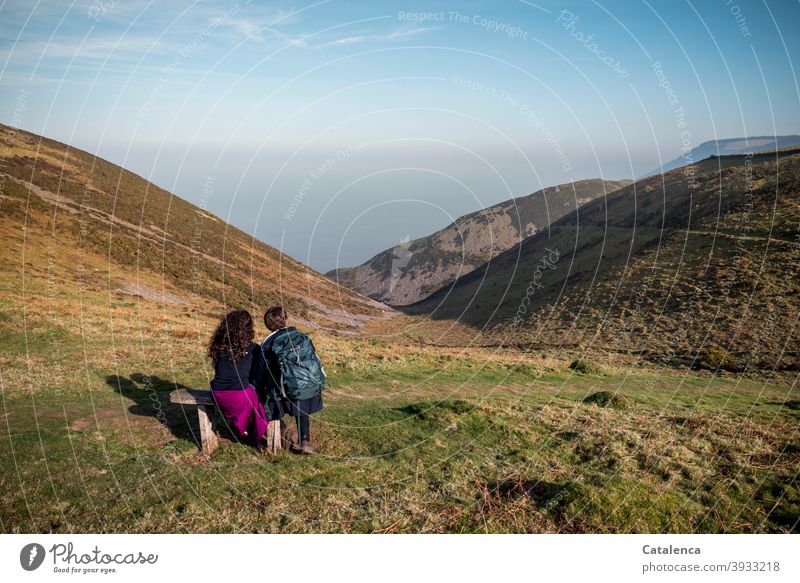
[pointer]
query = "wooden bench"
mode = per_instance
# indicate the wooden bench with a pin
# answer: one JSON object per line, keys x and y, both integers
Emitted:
{"x": 205, "y": 416}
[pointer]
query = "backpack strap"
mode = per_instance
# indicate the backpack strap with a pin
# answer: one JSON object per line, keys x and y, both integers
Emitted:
{"x": 279, "y": 381}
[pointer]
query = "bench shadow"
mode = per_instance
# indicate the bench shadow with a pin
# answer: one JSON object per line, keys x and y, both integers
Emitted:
{"x": 150, "y": 394}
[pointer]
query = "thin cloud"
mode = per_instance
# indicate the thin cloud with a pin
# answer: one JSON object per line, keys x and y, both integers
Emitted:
{"x": 394, "y": 36}
{"x": 404, "y": 34}
{"x": 264, "y": 27}
{"x": 350, "y": 40}
{"x": 258, "y": 32}
{"x": 245, "y": 27}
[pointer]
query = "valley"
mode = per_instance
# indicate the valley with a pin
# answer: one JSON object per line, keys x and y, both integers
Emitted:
{"x": 650, "y": 385}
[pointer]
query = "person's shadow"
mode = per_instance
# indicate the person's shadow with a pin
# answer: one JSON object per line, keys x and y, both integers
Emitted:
{"x": 150, "y": 394}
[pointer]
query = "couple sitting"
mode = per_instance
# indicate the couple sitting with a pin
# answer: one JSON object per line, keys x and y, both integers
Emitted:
{"x": 254, "y": 384}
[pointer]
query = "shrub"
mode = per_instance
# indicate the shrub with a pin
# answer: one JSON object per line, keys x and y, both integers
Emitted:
{"x": 584, "y": 366}
{"x": 607, "y": 399}
{"x": 719, "y": 358}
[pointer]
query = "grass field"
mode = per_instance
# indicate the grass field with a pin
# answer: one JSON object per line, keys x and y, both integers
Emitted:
{"x": 412, "y": 439}
{"x": 422, "y": 431}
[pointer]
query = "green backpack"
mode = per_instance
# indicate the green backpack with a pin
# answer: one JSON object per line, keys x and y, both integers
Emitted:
{"x": 302, "y": 373}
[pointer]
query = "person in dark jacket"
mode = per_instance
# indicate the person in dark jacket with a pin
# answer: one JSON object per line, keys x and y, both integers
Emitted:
{"x": 233, "y": 353}
{"x": 268, "y": 384}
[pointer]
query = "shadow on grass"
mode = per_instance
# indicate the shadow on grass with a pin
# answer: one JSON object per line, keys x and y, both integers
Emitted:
{"x": 546, "y": 495}
{"x": 150, "y": 394}
{"x": 794, "y": 404}
{"x": 430, "y": 409}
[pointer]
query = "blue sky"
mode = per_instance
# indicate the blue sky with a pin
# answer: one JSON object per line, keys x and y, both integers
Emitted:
{"x": 335, "y": 129}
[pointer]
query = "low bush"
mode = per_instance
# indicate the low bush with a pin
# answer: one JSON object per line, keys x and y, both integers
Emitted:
{"x": 584, "y": 366}
{"x": 607, "y": 399}
{"x": 720, "y": 359}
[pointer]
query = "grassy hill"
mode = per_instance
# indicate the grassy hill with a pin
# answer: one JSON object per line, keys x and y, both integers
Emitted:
{"x": 413, "y": 270}
{"x": 414, "y": 437}
{"x": 700, "y": 261}
{"x": 62, "y": 206}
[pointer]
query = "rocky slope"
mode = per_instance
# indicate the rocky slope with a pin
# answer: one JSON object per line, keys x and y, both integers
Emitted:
{"x": 413, "y": 270}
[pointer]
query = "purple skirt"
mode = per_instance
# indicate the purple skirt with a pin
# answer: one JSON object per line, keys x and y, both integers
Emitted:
{"x": 243, "y": 411}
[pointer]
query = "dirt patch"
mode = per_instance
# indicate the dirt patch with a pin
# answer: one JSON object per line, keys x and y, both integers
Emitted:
{"x": 80, "y": 425}
{"x": 512, "y": 389}
{"x": 157, "y": 238}
{"x": 149, "y": 293}
{"x": 46, "y": 195}
{"x": 93, "y": 421}
{"x": 338, "y": 316}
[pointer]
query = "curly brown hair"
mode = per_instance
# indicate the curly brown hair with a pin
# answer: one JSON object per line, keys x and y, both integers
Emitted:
{"x": 233, "y": 334}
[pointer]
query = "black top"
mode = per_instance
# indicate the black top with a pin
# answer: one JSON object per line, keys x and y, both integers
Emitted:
{"x": 235, "y": 377}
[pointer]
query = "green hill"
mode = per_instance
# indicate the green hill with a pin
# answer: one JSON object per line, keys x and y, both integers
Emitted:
{"x": 702, "y": 260}
{"x": 62, "y": 206}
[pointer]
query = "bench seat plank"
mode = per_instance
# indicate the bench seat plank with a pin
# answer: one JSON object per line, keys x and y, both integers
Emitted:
{"x": 191, "y": 397}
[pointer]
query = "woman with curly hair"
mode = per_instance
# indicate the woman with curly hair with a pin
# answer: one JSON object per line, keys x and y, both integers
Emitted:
{"x": 233, "y": 353}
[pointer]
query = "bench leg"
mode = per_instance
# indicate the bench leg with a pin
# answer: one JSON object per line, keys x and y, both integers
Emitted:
{"x": 208, "y": 438}
{"x": 273, "y": 436}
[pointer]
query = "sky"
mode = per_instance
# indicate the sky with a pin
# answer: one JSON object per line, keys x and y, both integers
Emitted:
{"x": 335, "y": 129}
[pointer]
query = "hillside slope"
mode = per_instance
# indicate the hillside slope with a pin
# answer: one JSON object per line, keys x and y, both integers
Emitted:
{"x": 700, "y": 259}
{"x": 64, "y": 206}
{"x": 413, "y": 270}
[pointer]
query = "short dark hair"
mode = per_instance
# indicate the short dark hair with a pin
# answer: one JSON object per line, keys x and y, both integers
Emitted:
{"x": 275, "y": 318}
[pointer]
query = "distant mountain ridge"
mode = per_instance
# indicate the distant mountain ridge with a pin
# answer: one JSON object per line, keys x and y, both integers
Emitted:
{"x": 60, "y": 204}
{"x": 410, "y": 271}
{"x": 728, "y": 147}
